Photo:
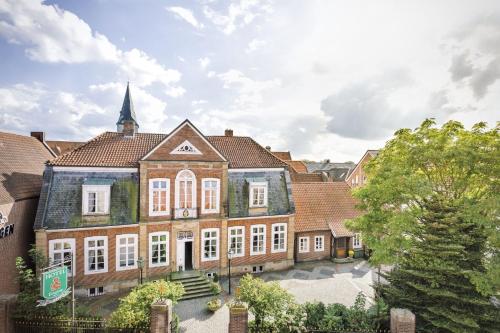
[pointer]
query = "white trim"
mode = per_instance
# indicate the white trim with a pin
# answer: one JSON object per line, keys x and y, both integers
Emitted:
{"x": 251, "y": 188}
{"x": 86, "y": 254}
{"x": 91, "y": 228}
{"x": 203, "y": 244}
{"x": 117, "y": 252}
{"x": 184, "y": 123}
{"x": 95, "y": 188}
{"x": 93, "y": 169}
{"x": 177, "y": 150}
{"x": 150, "y": 199}
{"x": 306, "y": 249}
{"x": 73, "y": 250}
{"x": 255, "y": 217}
{"x": 242, "y": 254}
{"x": 193, "y": 190}
{"x": 285, "y": 232}
{"x": 360, "y": 243}
{"x": 217, "y": 196}
{"x": 150, "y": 245}
{"x": 255, "y": 169}
{"x": 252, "y": 234}
{"x": 322, "y": 237}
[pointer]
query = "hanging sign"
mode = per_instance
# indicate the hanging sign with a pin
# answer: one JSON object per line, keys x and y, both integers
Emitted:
{"x": 5, "y": 229}
{"x": 54, "y": 285}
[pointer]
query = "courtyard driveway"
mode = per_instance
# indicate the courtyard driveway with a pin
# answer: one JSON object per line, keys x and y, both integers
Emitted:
{"x": 317, "y": 281}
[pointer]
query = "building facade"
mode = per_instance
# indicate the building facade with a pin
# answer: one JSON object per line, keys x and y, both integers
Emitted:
{"x": 357, "y": 177}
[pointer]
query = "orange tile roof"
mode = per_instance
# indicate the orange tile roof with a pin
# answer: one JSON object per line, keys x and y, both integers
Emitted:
{"x": 297, "y": 166}
{"x": 306, "y": 177}
{"x": 22, "y": 161}
{"x": 62, "y": 147}
{"x": 324, "y": 206}
{"x": 282, "y": 155}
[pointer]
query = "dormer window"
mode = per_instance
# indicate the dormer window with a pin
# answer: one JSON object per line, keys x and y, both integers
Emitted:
{"x": 186, "y": 148}
{"x": 95, "y": 198}
{"x": 258, "y": 194}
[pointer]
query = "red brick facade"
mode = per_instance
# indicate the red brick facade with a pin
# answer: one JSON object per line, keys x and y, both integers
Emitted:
{"x": 312, "y": 253}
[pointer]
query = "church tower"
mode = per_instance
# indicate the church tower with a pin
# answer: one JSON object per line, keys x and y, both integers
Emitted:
{"x": 127, "y": 123}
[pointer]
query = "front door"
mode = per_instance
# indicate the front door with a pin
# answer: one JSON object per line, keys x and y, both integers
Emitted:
{"x": 184, "y": 250}
{"x": 188, "y": 255}
{"x": 180, "y": 255}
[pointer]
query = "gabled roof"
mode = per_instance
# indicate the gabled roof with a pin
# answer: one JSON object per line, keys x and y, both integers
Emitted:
{"x": 297, "y": 166}
{"x": 324, "y": 206}
{"x": 63, "y": 147}
{"x": 283, "y": 155}
{"x": 127, "y": 112}
{"x": 110, "y": 149}
{"x": 22, "y": 161}
{"x": 244, "y": 152}
{"x": 371, "y": 153}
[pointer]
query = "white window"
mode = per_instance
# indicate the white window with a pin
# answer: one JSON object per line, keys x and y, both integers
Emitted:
{"x": 95, "y": 199}
{"x": 258, "y": 239}
{"x": 356, "y": 241}
{"x": 210, "y": 244}
{"x": 303, "y": 244}
{"x": 319, "y": 243}
{"x": 63, "y": 249}
{"x": 158, "y": 249}
{"x": 258, "y": 194}
{"x": 279, "y": 237}
{"x": 159, "y": 197}
{"x": 186, "y": 148}
{"x": 237, "y": 240}
{"x": 96, "y": 254}
{"x": 97, "y": 291}
{"x": 210, "y": 195}
{"x": 126, "y": 252}
{"x": 356, "y": 181}
{"x": 185, "y": 190}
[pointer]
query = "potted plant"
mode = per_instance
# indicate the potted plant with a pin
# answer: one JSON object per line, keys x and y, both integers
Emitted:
{"x": 215, "y": 287}
{"x": 351, "y": 254}
{"x": 214, "y": 304}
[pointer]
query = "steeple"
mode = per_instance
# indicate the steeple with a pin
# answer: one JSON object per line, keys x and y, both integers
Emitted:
{"x": 127, "y": 122}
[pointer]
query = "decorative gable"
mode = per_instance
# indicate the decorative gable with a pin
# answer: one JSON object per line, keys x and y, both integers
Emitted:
{"x": 186, "y": 148}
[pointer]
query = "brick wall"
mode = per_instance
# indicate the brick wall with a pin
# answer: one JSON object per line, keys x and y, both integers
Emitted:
{"x": 312, "y": 254}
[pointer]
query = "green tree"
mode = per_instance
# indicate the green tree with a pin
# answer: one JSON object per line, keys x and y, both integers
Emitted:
{"x": 272, "y": 306}
{"x": 431, "y": 210}
{"x": 135, "y": 308}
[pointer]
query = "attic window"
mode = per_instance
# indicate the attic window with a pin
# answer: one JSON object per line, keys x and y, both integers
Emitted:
{"x": 186, "y": 148}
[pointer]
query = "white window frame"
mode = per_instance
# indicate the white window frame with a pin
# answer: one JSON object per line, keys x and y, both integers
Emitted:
{"x": 304, "y": 249}
{"x": 86, "y": 189}
{"x": 254, "y": 186}
{"x": 151, "y": 190}
{"x": 357, "y": 239}
{"x": 252, "y": 234}
{"x": 203, "y": 244}
{"x": 229, "y": 237}
{"x": 167, "y": 252}
{"x": 322, "y": 248}
{"x": 273, "y": 250}
{"x": 117, "y": 247}
{"x": 217, "y": 195}
{"x": 178, "y": 192}
{"x": 70, "y": 241}
{"x": 86, "y": 254}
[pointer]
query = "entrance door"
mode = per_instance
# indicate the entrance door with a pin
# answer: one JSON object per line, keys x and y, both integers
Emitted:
{"x": 188, "y": 255}
{"x": 180, "y": 255}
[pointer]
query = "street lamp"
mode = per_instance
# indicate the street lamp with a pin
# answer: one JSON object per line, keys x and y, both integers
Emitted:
{"x": 140, "y": 265}
{"x": 230, "y": 254}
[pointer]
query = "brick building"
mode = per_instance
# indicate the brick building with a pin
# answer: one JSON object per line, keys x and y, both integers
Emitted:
{"x": 22, "y": 160}
{"x": 357, "y": 177}
{"x": 178, "y": 201}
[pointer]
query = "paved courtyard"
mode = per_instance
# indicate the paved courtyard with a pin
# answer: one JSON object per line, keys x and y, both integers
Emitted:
{"x": 318, "y": 281}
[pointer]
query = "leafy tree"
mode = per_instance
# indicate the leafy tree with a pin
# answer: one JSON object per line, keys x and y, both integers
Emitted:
{"x": 272, "y": 306}
{"x": 135, "y": 308}
{"x": 431, "y": 206}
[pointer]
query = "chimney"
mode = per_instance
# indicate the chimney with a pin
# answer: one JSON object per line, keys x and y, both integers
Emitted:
{"x": 228, "y": 132}
{"x": 129, "y": 129}
{"x": 40, "y": 136}
{"x": 268, "y": 148}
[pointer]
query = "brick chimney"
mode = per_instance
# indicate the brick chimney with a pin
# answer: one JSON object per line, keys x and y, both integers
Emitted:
{"x": 40, "y": 136}
{"x": 228, "y": 132}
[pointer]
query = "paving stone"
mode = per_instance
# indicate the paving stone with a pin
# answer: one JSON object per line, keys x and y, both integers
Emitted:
{"x": 328, "y": 272}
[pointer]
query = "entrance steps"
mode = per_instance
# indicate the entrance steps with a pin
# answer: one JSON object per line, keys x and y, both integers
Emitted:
{"x": 194, "y": 283}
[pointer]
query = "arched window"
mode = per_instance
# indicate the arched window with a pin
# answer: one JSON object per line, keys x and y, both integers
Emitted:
{"x": 185, "y": 189}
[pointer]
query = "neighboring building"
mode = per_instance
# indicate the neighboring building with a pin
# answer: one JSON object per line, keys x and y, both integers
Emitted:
{"x": 321, "y": 211}
{"x": 357, "y": 177}
{"x": 180, "y": 201}
{"x": 22, "y": 161}
{"x": 335, "y": 171}
{"x": 63, "y": 147}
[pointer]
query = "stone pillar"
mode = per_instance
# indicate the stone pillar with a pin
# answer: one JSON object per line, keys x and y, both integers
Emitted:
{"x": 402, "y": 321}
{"x": 238, "y": 320}
{"x": 143, "y": 248}
{"x": 7, "y": 304}
{"x": 161, "y": 317}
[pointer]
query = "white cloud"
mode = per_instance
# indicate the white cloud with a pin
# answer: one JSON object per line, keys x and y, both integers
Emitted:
{"x": 204, "y": 62}
{"x": 199, "y": 102}
{"x": 254, "y": 45}
{"x": 186, "y": 15}
{"x": 211, "y": 74}
{"x": 238, "y": 14}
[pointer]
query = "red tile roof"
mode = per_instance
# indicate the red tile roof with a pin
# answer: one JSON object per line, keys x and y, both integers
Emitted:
{"x": 324, "y": 206}
{"x": 297, "y": 166}
{"x": 22, "y": 161}
{"x": 306, "y": 177}
{"x": 282, "y": 155}
{"x": 62, "y": 147}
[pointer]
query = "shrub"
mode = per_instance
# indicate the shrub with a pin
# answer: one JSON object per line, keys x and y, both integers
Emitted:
{"x": 215, "y": 288}
{"x": 216, "y": 277}
{"x": 214, "y": 304}
{"x": 351, "y": 253}
{"x": 135, "y": 308}
{"x": 315, "y": 313}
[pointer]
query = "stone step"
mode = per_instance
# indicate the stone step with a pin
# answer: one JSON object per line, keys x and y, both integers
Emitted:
{"x": 194, "y": 283}
{"x": 197, "y": 295}
{"x": 199, "y": 290}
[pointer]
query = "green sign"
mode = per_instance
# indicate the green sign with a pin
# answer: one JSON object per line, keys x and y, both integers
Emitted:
{"x": 55, "y": 283}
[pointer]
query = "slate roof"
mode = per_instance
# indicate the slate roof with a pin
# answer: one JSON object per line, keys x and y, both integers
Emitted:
{"x": 244, "y": 152}
{"x": 324, "y": 206}
{"x": 127, "y": 112}
{"x": 22, "y": 162}
{"x": 326, "y": 166}
{"x": 282, "y": 155}
{"x": 63, "y": 147}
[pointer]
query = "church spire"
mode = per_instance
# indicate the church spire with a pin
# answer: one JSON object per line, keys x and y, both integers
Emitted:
{"x": 127, "y": 122}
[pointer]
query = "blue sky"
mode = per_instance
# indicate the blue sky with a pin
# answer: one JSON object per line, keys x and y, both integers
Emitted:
{"x": 324, "y": 79}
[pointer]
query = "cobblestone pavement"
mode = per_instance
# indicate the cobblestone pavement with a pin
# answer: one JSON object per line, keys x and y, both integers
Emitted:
{"x": 316, "y": 281}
